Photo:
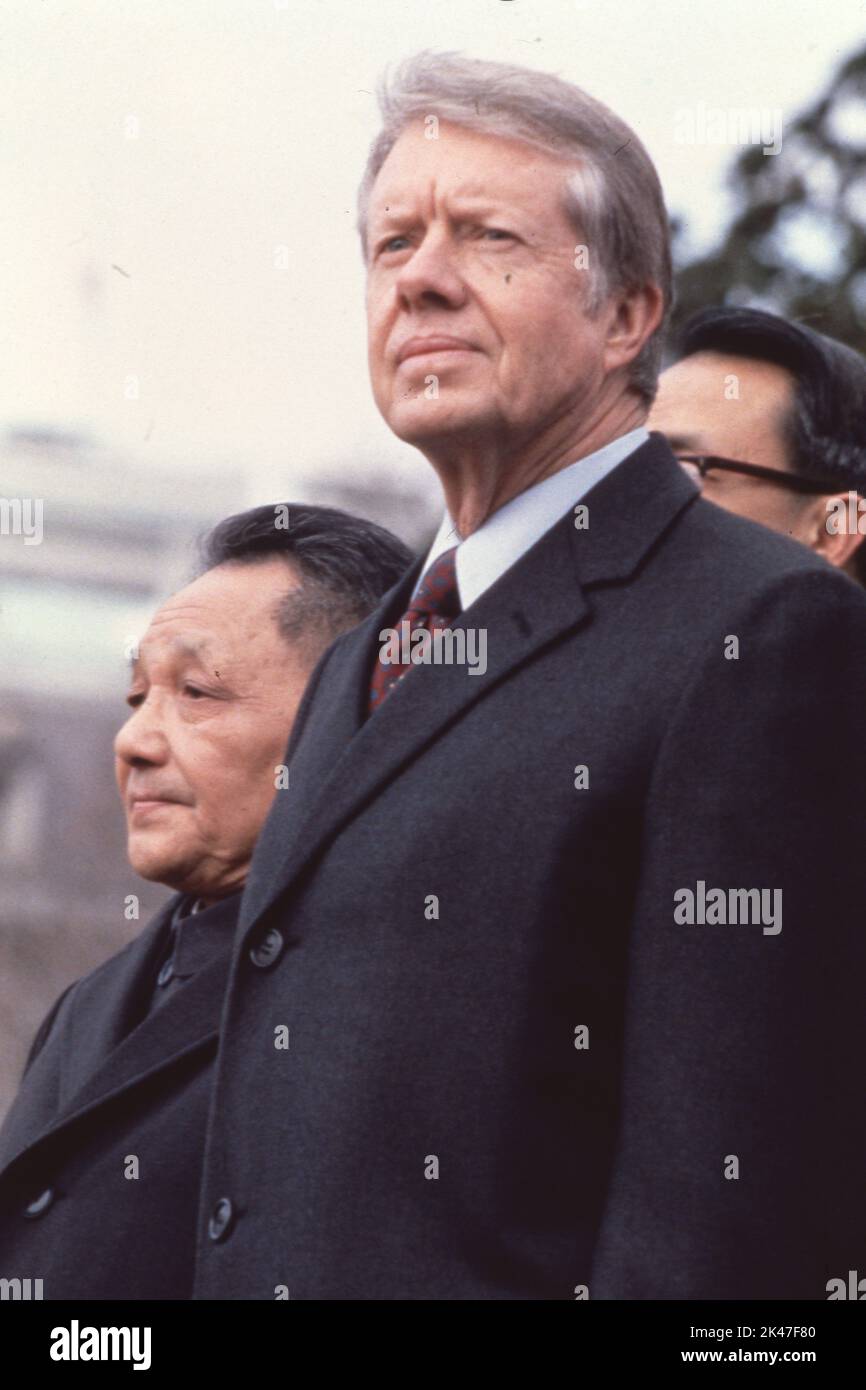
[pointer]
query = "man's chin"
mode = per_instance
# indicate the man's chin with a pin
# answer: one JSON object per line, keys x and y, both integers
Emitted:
{"x": 428, "y": 423}
{"x": 157, "y": 867}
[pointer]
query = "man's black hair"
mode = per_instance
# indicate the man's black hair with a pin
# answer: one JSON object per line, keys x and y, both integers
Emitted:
{"x": 825, "y": 433}
{"x": 345, "y": 564}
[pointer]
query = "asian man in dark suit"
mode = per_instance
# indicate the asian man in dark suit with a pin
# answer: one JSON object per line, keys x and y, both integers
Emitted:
{"x": 769, "y": 418}
{"x": 101, "y": 1152}
{"x": 562, "y": 915}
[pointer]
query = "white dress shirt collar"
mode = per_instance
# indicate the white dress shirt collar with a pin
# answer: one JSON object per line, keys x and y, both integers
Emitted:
{"x": 516, "y": 526}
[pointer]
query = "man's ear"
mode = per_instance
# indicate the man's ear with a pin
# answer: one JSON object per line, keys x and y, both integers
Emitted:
{"x": 636, "y": 315}
{"x": 830, "y": 532}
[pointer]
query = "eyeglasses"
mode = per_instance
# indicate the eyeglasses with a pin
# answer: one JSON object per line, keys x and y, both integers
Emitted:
{"x": 699, "y": 465}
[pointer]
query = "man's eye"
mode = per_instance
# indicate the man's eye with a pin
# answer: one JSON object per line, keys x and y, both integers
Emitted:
{"x": 390, "y": 244}
{"x": 195, "y": 692}
{"x": 497, "y": 234}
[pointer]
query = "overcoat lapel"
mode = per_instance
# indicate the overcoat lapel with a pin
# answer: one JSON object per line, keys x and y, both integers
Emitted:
{"x": 121, "y": 1059}
{"x": 343, "y": 760}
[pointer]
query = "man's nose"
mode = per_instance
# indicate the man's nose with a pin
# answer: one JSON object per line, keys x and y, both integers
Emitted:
{"x": 142, "y": 738}
{"x": 432, "y": 274}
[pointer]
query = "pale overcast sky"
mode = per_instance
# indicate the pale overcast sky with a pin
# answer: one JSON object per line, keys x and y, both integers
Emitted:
{"x": 156, "y": 152}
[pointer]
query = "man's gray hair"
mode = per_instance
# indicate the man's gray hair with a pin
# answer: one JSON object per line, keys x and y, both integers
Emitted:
{"x": 614, "y": 198}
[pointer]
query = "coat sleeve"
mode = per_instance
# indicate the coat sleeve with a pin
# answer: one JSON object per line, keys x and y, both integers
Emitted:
{"x": 741, "y": 1147}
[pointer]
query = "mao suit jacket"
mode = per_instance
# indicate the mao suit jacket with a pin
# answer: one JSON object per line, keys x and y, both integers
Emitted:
{"x": 101, "y": 1152}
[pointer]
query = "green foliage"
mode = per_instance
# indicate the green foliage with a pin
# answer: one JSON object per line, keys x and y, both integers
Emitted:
{"x": 797, "y": 244}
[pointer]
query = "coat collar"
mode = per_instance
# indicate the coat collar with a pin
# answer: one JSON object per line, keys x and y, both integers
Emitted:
{"x": 198, "y": 936}
{"x": 343, "y": 760}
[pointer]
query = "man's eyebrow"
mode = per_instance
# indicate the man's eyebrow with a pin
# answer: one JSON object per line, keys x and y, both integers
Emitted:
{"x": 190, "y": 646}
{"x": 683, "y": 441}
{"x": 213, "y": 659}
{"x": 391, "y": 216}
{"x": 182, "y": 646}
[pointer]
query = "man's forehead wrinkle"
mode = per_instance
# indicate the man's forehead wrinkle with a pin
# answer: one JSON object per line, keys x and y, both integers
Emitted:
{"x": 180, "y": 645}
{"x": 178, "y": 612}
{"x": 470, "y": 197}
{"x": 438, "y": 183}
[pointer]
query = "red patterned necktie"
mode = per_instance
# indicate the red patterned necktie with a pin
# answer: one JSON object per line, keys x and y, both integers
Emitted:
{"x": 435, "y": 604}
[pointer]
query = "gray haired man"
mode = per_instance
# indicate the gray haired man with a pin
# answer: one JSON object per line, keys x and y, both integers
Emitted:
{"x": 519, "y": 1068}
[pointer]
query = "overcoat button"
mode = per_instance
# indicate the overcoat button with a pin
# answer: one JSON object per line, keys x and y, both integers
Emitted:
{"x": 267, "y": 951}
{"x": 40, "y": 1204}
{"x": 221, "y": 1219}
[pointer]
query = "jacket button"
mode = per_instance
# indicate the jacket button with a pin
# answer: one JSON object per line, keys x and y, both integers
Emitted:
{"x": 165, "y": 973}
{"x": 221, "y": 1219}
{"x": 267, "y": 951}
{"x": 39, "y": 1204}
